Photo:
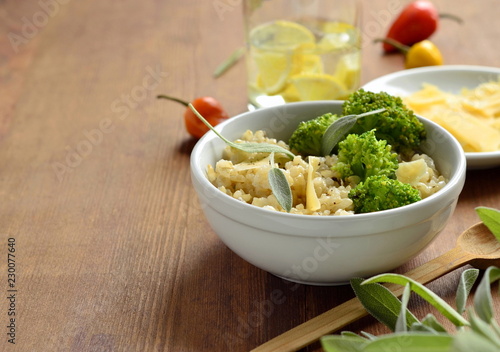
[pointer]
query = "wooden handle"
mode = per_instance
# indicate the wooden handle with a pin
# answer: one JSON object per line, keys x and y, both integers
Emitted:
{"x": 352, "y": 310}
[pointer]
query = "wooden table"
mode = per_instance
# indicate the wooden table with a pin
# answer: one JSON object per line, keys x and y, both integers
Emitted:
{"x": 112, "y": 251}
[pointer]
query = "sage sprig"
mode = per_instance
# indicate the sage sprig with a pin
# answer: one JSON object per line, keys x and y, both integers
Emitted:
{"x": 479, "y": 333}
{"x": 277, "y": 179}
{"x": 248, "y": 147}
{"x": 427, "y": 335}
{"x": 339, "y": 128}
{"x": 482, "y": 332}
{"x": 440, "y": 304}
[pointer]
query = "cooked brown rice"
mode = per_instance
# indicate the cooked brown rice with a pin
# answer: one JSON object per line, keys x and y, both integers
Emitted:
{"x": 244, "y": 176}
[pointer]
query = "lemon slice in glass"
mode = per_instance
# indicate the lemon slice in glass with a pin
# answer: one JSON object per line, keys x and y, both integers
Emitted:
{"x": 274, "y": 47}
{"x": 348, "y": 70}
{"x": 337, "y": 35}
{"x": 312, "y": 86}
{"x": 274, "y": 69}
{"x": 290, "y": 94}
{"x": 279, "y": 35}
{"x": 306, "y": 59}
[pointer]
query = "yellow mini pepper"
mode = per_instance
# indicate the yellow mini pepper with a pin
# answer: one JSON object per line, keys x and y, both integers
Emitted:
{"x": 424, "y": 53}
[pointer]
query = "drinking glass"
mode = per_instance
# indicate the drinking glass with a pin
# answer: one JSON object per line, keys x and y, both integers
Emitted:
{"x": 300, "y": 50}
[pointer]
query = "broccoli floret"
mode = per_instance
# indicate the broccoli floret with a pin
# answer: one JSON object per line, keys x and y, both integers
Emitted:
{"x": 306, "y": 139}
{"x": 381, "y": 193}
{"x": 398, "y": 125}
{"x": 364, "y": 156}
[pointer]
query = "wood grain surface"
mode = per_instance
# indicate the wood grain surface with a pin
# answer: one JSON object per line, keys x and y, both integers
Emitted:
{"x": 113, "y": 252}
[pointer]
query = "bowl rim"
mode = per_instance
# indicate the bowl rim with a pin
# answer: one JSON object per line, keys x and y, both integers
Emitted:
{"x": 443, "y": 68}
{"x": 475, "y": 159}
{"x": 200, "y": 175}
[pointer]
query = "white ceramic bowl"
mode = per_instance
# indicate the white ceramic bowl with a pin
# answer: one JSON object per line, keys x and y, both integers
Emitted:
{"x": 323, "y": 250}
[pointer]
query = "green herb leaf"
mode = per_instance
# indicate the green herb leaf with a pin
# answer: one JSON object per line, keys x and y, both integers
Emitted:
{"x": 483, "y": 328}
{"x": 491, "y": 218}
{"x": 280, "y": 186}
{"x": 411, "y": 342}
{"x": 338, "y": 129}
{"x": 432, "y": 323}
{"x": 229, "y": 62}
{"x": 351, "y": 334}
{"x": 483, "y": 302}
{"x": 251, "y": 147}
{"x": 368, "y": 335}
{"x": 467, "y": 280}
{"x": 468, "y": 341}
{"x": 401, "y": 322}
{"x": 443, "y": 307}
{"x": 341, "y": 343}
{"x": 380, "y": 303}
{"x": 420, "y": 327}
{"x": 248, "y": 146}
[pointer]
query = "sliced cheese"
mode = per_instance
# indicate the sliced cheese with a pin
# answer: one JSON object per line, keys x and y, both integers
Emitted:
{"x": 312, "y": 201}
{"x": 472, "y": 116}
{"x": 411, "y": 172}
{"x": 473, "y": 134}
{"x": 251, "y": 165}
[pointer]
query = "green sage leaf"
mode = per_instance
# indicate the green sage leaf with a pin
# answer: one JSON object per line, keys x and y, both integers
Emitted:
{"x": 431, "y": 322}
{"x": 420, "y": 327}
{"x": 429, "y": 325}
{"x": 251, "y": 147}
{"x": 341, "y": 343}
{"x": 467, "y": 341}
{"x": 483, "y": 328}
{"x": 491, "y": 218}
{"x": 483, "y": 302}
{"x": 436, "y": 301}
{"x": 339, "y": 128}
{"x": 280, "y": 186}
{"x": 368, "y": 336}
{"x": 351, "y": 334}
{"x": 411, "y": 342}
{"x": 467, "y": 280}
{"x": 248, "y": 147}
{"x": 401, "y": 325}
{"x": 380, "y": 303}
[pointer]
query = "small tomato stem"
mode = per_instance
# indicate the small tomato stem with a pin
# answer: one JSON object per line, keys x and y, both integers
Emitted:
{"x": 183, "y": 102}
{"x": 394, "y": 43}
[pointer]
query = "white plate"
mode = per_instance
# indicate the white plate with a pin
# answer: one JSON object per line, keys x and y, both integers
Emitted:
{"x": 451, "y": 78}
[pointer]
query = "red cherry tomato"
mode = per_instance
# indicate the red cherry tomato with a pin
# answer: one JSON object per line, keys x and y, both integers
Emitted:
{"x": 417, "y": 22}
{"x": 208, "y": 107}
